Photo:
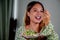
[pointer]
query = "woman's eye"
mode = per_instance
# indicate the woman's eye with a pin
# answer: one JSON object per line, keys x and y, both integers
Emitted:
{"x": 35, "y": 10}
{"x": 41, "y": 11}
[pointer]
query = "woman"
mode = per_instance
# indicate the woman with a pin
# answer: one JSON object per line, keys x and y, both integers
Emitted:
{"x": 38, "y": 20}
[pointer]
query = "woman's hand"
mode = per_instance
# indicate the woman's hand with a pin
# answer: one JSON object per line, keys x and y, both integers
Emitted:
{"x": 46, "y": 18}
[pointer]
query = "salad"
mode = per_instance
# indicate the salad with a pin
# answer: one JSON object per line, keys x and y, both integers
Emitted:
{"x": 29, "y": 33}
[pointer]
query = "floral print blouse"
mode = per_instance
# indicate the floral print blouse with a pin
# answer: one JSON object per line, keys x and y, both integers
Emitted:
{"x": 48, "y": 31}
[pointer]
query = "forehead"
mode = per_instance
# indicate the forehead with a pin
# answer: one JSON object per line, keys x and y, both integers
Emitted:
{"x": 37, "y": 6}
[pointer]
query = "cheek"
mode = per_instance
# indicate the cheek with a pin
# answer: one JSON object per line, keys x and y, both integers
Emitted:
{"x": 32, "y": 16}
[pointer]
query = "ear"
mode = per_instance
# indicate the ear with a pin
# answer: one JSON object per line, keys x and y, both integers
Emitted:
{"x": 28, "y": 14}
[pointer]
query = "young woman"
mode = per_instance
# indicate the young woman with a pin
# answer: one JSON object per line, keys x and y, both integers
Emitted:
{"x": 38, "y": 20}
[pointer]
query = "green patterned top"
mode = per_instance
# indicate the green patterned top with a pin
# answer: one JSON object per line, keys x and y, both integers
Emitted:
{"x": 48, "y": 31}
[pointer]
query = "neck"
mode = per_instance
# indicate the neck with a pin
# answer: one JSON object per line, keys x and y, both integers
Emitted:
{"x": 34, "y": 26}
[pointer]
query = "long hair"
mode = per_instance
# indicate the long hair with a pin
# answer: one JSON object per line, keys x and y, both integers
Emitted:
{"x": 27, "y": 19}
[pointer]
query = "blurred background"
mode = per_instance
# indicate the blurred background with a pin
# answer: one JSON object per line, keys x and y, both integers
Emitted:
{"x": 12, "y": 13}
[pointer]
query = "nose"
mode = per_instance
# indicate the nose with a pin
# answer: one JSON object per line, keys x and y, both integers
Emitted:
{"x": 38, "y": 13}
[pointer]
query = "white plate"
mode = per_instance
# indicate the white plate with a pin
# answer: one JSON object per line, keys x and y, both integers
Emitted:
{"x": 34, "y": 36}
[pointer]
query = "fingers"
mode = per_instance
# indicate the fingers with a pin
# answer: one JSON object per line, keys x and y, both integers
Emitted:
{"x": 46, "y": 18}
{"x": 47, "y": 13}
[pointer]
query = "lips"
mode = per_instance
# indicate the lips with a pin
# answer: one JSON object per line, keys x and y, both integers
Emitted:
{"x": 38, "y": 17}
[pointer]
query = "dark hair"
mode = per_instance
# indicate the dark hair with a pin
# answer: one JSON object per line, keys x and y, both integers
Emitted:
{"x": 31, "y": 4}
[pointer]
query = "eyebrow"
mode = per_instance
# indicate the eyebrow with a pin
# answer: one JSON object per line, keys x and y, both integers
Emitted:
{"x": 36, "y": 8}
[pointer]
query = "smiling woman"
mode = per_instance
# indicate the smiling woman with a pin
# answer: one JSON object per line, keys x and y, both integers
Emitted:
{"x": 37, "y": 19}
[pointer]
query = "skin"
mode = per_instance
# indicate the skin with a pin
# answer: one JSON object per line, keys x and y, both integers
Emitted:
{"x": 37, "y": 11}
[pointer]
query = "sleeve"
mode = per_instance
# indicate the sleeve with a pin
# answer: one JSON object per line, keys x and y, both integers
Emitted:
{"x": 47, "y": 30}
{"x": 53, "y": 36}
{"x": 18, "y": 32}
{"x": 50, "y": 33}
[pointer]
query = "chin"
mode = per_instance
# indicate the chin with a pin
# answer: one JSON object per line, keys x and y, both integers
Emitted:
{"x": 37, "y": 21}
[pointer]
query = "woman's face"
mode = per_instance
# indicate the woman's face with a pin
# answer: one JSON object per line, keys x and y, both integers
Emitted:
{"x": 36, "y": 13}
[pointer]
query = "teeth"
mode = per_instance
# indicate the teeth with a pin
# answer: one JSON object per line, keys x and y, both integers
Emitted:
{"x": 37, "y": 16}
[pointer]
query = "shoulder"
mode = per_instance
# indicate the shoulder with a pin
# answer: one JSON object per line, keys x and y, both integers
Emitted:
{"x": 50, "y": 25}
{"x": 47, "y": 30}
{"x": 20, "y": 29}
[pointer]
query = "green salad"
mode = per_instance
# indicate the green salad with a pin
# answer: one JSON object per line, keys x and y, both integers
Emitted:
{"x": 29, "y": 33}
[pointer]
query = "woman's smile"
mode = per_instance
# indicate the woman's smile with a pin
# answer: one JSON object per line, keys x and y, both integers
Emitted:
{"x": 37, "y": 17}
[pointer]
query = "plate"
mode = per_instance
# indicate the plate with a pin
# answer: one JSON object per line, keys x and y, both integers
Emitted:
{"x": 32, "y": 36}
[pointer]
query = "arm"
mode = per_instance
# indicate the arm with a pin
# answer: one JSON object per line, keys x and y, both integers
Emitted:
{"x": 50, "y": 33}
{"x": 47, "y": 30}
{"x": 53, "y": 36}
